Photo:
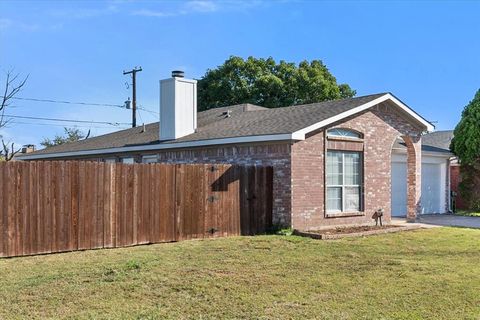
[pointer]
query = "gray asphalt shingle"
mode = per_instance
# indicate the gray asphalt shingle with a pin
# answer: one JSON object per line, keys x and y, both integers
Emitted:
{"x": 438, "y": 141}
{"x": 245, "y": 120}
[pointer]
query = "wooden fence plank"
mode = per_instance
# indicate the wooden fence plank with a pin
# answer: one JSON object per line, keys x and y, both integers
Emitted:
{"x": 3, "y": 211}
{"x": 62, "y": 206}
{"x": 107, "y": 206}
{"x": 75, "y": 192}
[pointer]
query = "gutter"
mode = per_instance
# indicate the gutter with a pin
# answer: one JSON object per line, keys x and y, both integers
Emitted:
{"x": 426, "y": 153}
{"x": 166, "y": 146}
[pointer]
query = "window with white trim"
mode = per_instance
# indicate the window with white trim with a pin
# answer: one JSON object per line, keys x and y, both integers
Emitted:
{"x": 343, "y": 133}
{"x": 150, "y": 159}
{"x": 128, "y": 160}
{"x": 344, "y": 181}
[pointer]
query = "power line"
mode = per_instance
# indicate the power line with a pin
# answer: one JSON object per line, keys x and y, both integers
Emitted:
{"x": 71, "y": 102}
{"x": 81, "y": 103}
{"x": 59, "y": 125}
{"x": 68, "y": 120}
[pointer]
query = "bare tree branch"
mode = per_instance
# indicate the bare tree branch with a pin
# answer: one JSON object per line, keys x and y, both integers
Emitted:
{"x": 8, "y": 151}
{"x": 11, "y": 89}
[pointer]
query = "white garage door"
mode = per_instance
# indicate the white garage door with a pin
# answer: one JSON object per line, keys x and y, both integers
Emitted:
{"x": 433, "y": 190}
{"x": 399, "y": 189}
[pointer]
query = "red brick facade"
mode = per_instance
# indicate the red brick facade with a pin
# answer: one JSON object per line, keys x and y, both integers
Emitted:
{"x": 299, "y": 168}
{"x": 380, "y": 127}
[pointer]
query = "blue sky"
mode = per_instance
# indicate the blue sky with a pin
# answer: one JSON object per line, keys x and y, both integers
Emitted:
{"x": 426, "y": 53}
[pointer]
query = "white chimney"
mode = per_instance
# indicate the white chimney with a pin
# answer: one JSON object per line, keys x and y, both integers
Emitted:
{"x": 178, "y": 106}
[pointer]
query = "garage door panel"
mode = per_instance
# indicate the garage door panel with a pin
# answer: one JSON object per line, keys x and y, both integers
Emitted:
{"x": 431, "y": 188}
{"x": 399, "y": 189}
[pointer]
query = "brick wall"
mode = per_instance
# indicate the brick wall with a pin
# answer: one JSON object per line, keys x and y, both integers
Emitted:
{"x": 455, "y": 180}
{"x": 380, "y": 127}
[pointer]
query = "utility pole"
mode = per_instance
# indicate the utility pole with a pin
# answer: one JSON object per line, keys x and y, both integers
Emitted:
{"x": 133, "y": 72}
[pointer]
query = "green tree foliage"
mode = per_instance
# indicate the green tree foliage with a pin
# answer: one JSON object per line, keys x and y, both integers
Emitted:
{"x": 466, "y": 141}
{"x": 71, "y": 135}
{"x": 269, "y": 84}
{"x": 466, "y": 145}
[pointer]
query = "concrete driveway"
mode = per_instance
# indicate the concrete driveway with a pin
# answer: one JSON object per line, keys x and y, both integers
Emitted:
{"x": 441, "y": 220}
{"x": 449, "y": 220}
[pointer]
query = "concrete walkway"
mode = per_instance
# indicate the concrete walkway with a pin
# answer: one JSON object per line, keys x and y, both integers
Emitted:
{"x": 440, "y": 220}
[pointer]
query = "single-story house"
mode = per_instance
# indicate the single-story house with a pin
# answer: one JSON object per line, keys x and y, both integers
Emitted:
{"x": 334, "y": 162}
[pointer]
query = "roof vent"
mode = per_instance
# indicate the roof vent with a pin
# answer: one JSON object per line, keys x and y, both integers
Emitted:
{"x": 178, "y": 74}
{"x": 227, "y": 113}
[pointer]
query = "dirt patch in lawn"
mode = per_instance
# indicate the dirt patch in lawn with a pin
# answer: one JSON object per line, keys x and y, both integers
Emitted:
{"x": 354, "y": 231}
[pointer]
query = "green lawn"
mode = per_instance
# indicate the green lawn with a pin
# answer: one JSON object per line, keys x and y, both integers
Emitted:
{"x": 423, "y": 274}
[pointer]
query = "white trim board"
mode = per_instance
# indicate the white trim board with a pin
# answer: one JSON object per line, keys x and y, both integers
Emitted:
{"x": 445, "y": 154}
{"x": 164, "y": 146}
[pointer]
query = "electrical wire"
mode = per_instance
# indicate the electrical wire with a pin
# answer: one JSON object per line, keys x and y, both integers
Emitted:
{"x": 67, "y": 120}
{"x": 82, "y": 103}
{"x": 59, "y": 125}
{"x": 71, "y": 102}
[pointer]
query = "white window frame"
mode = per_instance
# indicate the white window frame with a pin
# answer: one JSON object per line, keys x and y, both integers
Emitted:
{"x": 343, "y": 186}
{"x": 128, "y": 160}
{"x": 343, "y": 133}
{"x": 149, "y": 158}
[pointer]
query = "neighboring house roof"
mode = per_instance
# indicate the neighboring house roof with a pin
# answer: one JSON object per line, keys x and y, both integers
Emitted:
{"x": 247, "y": 123}
{"x": 438, "y": 142}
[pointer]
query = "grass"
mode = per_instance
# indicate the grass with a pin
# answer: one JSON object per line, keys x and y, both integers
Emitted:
{"x": 423, "y": 274}
{"x": 467, "y": 213}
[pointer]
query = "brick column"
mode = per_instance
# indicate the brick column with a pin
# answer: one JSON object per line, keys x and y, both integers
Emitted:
{"x": 414, "y": 175}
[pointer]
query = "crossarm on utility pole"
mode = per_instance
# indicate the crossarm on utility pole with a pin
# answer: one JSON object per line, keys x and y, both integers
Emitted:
{"x": 133, "y": 72}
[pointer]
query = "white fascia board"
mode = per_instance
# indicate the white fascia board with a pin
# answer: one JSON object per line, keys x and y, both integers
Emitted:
{"x": 446, "y": 155}
{"x": 429, "y": 127}
{"x": 412, "y": 113}
{"x": 166, "y": 146}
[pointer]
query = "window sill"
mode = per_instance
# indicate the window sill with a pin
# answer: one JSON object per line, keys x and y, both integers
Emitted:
{"x": 344, "y": 214}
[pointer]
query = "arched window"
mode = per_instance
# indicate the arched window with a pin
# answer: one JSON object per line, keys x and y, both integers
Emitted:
{"x": 343, "y": 133}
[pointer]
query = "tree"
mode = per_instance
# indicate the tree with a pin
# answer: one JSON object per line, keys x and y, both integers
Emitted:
{"x": 12, "y": 86}
{"x": 466, "y": 145}
{"x": 8, "y": 151}
{"x": 71, "y": 135}
{"x": 466, "y": 141}
{"x": 269, "y": 84}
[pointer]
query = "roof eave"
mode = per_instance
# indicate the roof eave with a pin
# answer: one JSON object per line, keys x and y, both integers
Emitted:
{"x": 166, "y": 146}
{"x": 426, "y": 153}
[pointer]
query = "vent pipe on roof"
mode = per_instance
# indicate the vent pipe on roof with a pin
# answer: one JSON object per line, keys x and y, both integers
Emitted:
{"x": 178, "y": 106}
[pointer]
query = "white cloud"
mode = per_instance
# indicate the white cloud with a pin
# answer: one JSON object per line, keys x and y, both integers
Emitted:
{"x": 83, "y": 13}
{"x": 153, "y": 13}
{"x": 201, "y": 6}
{"x": 198, "y": 7}
{"x": 5, "y": 24}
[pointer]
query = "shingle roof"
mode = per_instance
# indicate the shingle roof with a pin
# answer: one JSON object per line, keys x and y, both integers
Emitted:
{"x": 245, "y": 120}
{"x": 438, "y": 141}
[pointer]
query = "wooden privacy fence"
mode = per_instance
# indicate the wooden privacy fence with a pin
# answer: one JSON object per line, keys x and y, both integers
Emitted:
{"x": 63, "y": 206}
